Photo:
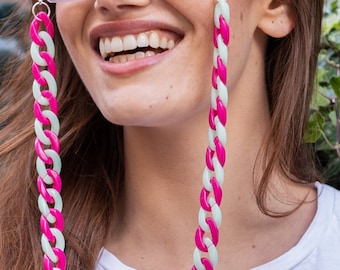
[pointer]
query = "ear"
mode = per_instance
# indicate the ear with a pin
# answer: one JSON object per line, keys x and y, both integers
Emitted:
{"x": 277, "y": 18}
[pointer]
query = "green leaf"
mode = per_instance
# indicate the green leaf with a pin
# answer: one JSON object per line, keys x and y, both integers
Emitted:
{"x": 332, "y": 117}
{"x": 335, "y": 83}
{"x": 334, "y": 5}
{"x": 320, "y": 99}
{"x": 330, "y": 22}
{"x": 322, "y": 75}
{"x": 314, "y": 128}
{"x": 334, "y": 37}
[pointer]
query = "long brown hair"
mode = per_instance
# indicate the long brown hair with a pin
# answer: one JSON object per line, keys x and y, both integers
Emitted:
{"x": 92, "y": 148}
{"x": 290, "y": 75}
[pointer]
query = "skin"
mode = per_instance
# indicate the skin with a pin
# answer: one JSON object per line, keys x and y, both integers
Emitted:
{"x": 163, "y": 108}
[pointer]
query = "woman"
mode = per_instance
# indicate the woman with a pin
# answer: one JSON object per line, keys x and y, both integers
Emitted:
{"x": 134, "y": 134}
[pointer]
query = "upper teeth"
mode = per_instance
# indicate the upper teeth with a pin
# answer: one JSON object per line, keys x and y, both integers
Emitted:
{"x": 131, "y": 42}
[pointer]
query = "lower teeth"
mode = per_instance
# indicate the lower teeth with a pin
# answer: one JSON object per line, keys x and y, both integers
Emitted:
{"x": 130, "y": 57}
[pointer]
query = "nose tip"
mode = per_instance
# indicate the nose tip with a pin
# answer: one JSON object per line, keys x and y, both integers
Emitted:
{"x": 117, "y": 6}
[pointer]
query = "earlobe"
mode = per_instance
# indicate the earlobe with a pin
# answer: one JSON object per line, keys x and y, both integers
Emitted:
{"x": 277, "y": 19}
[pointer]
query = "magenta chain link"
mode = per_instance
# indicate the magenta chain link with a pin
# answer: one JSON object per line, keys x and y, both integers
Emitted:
{"x": 210, "y": 216}
{"x": 47, "y": 143}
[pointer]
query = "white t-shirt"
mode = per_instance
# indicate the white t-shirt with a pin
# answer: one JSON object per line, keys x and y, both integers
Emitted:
{"x": 318, "y": 249}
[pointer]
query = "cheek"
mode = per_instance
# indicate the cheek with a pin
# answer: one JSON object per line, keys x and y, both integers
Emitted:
{"x": 64, "y": 24}
{"x": 70, "y": 21}
{"x": 71, "y": 17}
{"x": 62, "y": 16}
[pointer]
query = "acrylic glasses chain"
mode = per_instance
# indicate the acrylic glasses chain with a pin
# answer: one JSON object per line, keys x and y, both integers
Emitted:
{"x": 210, "y": 216}
{"x": 47, "y": 146}
{"x": 47, "y": 143}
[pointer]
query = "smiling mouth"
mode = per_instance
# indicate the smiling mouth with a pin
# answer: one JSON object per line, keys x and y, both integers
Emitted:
{"x": 122, "y": 49}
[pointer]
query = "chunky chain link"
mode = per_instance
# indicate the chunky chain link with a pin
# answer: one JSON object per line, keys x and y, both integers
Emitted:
{"x": 210, "y": 216}
{"x": 47, "y": 146}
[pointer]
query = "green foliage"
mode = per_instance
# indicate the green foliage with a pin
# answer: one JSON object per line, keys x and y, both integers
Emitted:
{"x": 324, "y": 124}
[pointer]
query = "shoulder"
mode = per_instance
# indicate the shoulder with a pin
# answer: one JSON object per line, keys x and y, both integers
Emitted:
{"x": 328, "y": 211}
{"x": 329, "y": 201}
{"x": 327, "y": 229}
{"x": 335, "y": 214}
{"x": 319, "y": 247}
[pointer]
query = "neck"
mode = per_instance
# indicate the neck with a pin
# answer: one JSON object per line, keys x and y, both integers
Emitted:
{"x": 164, "y": 169}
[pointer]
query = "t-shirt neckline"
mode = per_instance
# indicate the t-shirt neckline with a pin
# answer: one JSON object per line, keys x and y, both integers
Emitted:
{"x": 288, "y": 260}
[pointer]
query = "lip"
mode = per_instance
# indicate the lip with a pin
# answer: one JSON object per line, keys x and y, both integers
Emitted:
{"x": 121, "y": 28}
